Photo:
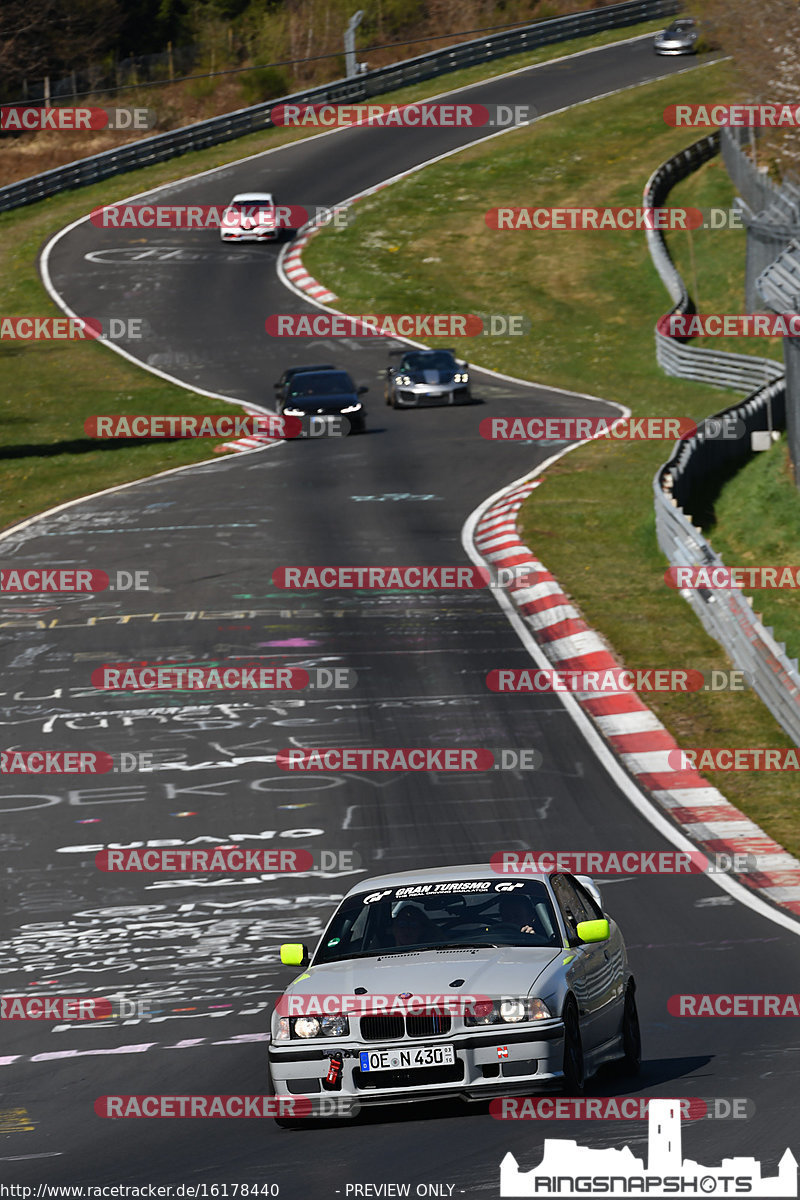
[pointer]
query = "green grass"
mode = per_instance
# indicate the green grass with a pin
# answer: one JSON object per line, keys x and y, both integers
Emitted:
{"x": 593, "y": 299}
{"x": 50, "y": 388}
{"x": 757, "y": 523}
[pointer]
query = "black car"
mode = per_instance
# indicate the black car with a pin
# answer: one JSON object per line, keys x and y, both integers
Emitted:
{"x": 321, "y": 391}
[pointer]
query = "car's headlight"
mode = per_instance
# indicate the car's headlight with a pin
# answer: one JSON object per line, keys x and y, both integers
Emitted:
{"x": 510, "y": 1010}
{"x": 306, "y": 1027}
{"x": 283, "y": 1033}
{"x": 403, "y": 380}
{"x": 293, "y": 412}
{"x": 335, "y": 1026}
{"x": 351, "y": 408}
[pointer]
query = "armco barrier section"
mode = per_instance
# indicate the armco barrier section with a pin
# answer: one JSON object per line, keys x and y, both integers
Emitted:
{"x": 726, "y": 614}
{"x": 164, "y": 146}
{"x": 719, "y": 368}
{"x": 779, "y": 287}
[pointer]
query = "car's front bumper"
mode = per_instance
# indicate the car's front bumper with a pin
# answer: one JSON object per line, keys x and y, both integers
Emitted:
{"x": 421, "y": 394}
{"x": 487, "y": 1064}
{"x": 249, "y": 235}
{"x": 673, "y": 48}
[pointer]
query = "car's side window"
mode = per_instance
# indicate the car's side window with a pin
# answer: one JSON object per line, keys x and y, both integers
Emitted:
{"x": 570, "y": 903}
{"x": 592, "y": 909}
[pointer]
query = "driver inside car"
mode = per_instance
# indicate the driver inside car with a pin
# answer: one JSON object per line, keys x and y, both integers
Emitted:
{"x": 517, "y": 911}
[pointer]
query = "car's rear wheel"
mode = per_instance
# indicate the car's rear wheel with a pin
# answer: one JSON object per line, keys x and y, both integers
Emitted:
{"x": 574, "y": 1066}
{"x": 631, "y": 1061}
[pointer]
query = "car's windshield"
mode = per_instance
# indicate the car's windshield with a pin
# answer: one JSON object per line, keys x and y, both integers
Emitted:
{"x": 474, "y": 912}
{"x": 248, "y": 204}
{"x": 438, "y": 360}
{"x": 680, "y": 27}
{"x": 331, "y": 383}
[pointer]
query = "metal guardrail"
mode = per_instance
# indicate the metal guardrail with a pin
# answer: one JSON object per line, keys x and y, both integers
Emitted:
{"x": 726, "y": 614}
{"x": 718, "y": 368}
{"x": 754, "y": 186}
{"x": 779, "y": 287}
{"x": 236, "y": 124}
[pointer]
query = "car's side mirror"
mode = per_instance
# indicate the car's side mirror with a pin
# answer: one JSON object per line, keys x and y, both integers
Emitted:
{"x": 277, "y": 386}
{"x": 593, "y": 931}
{"x": 362, "y": 389}
{"x": 294, "y": 954}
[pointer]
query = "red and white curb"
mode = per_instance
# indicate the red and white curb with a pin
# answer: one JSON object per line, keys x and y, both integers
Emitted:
{"x": 253, "y": 441}
{"x": 293, "y": 269}
{"x": 635, "y": 734}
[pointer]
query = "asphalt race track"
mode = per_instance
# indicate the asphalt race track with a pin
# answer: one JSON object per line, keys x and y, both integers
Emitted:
{"x": 203, "y": 954}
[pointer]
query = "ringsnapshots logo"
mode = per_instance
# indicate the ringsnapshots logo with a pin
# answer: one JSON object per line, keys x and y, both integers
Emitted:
{"x": 567, "y": 1169}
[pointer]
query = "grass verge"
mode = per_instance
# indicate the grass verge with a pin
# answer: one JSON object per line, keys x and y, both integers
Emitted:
{"x": 593, "y": 300}
{"x": 51, "y": 388}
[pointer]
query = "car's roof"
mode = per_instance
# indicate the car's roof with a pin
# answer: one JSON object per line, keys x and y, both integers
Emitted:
{"x": 311, "y": 370}
{"x": 319, "y": 371}
{"x": 437, "y": 875}
{"x": 242, "y": 196}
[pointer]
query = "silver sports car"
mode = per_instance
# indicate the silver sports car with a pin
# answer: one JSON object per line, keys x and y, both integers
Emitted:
{"x": 427, "y": 377}
{"x": 456, "y": 982}
{"x": 678, "y": 38}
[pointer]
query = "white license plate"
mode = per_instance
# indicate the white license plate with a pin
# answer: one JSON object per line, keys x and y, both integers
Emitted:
{"x": 407, "y": 1059}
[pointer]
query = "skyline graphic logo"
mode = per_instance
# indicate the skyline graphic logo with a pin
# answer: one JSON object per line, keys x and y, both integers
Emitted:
{"x": 568, "y": 1169}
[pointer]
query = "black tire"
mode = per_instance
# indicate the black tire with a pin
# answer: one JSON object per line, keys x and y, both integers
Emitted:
{"x": 574, "y": 1080}
{"x": 631, "y": 1061}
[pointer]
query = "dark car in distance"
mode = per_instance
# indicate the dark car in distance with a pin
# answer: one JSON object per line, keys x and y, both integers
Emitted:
{"x": 321, "y": 391}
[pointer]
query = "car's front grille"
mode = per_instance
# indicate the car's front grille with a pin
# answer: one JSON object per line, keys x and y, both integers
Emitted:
{"x": 381, "y": 1028}
{"x": 431, "y": 1025}
{"x": 365, "y": 1080}
{"x": 389, "y": 1028}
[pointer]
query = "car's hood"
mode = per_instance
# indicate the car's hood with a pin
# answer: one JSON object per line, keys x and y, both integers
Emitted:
{"x": 509, "y": 970}
{"x": 431, "y": 377}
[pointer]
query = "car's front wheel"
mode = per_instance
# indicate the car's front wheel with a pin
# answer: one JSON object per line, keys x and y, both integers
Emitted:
{"x": 631, "y": 1060}
{"x": 574, "y": 1065}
